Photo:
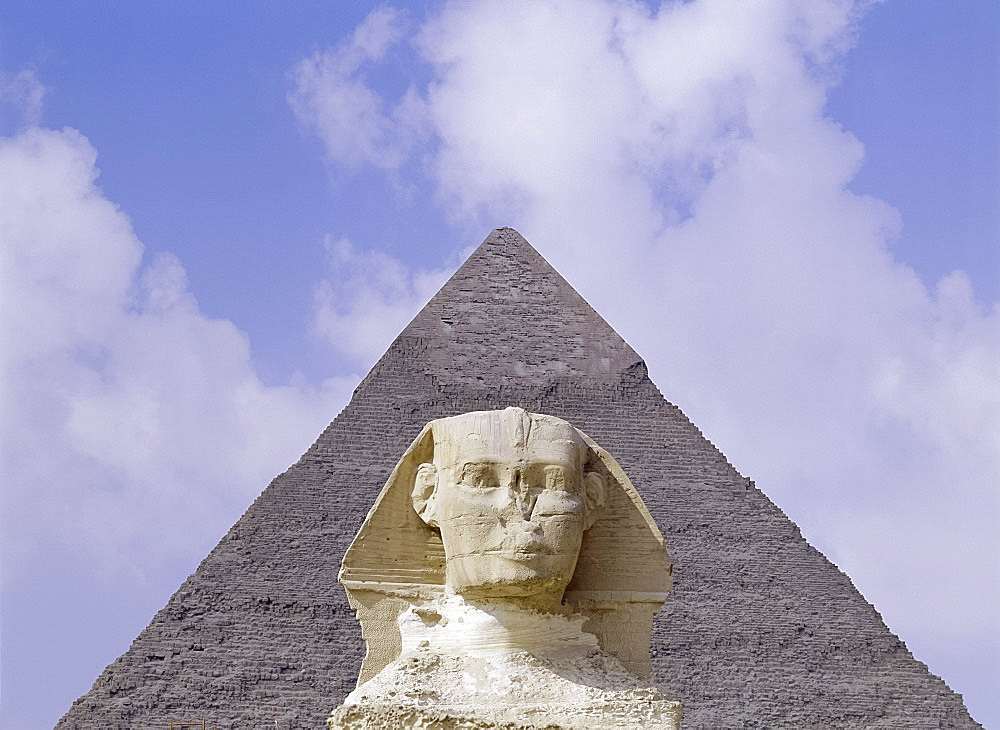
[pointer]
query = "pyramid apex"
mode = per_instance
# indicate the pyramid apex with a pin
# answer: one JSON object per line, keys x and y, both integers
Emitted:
{"x": 508, "y": 236}
{"x": 508, "y": 314}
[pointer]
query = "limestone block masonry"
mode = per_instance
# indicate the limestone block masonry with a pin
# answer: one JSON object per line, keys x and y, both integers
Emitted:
{"x": 759, "y": 630}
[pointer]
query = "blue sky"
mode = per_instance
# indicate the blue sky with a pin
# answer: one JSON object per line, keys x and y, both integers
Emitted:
{"x": 771, "y": 205}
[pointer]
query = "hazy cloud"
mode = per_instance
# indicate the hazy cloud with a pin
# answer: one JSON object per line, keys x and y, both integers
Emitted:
{"x": 679, "y": 168}
{"x": 331, "y": 98}
{"x": 134, "y": 428}
{"x": 21, "y": 97}
{"x": 368, "y": 298}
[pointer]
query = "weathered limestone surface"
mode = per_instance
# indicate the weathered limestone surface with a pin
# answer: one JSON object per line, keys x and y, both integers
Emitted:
{"x": 521, "y": 506}
{"x": 759, "y": 630}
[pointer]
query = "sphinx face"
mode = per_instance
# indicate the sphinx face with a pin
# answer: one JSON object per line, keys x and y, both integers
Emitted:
{"x": 509, "y": 498}
{"x": 510, "y": 528}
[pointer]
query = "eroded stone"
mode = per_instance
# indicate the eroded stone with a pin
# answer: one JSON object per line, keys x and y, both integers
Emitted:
{"x": 509, "y": 574}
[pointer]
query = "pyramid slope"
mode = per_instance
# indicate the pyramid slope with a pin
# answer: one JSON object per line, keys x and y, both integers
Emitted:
{"x": 760, "y": 629}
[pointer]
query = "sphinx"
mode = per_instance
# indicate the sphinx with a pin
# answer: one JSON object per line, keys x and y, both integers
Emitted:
{"x": 507, "y": 576}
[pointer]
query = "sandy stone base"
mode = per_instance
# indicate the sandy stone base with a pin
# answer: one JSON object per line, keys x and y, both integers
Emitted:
{"x": 357, "y": 717}
{"x": 467, "y": 665}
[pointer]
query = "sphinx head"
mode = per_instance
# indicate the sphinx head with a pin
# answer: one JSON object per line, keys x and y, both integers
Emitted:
{"x": 508, "y": 506}
{"x": 511, "y": 496}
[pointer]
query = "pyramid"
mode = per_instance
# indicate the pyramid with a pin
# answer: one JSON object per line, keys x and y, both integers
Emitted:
{"x": 759, "y": 630}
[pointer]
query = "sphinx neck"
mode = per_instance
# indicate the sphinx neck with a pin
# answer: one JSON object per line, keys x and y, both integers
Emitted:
{"x": 455, "y": 625}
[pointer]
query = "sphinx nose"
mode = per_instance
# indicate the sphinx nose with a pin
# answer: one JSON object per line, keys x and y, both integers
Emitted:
{"x": 526, "y": 503}
{"x": 522, "y": 496}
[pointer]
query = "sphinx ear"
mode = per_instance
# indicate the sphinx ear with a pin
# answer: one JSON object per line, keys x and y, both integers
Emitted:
{"x": 424, "y": 494}
{"x": 594, "y": 494}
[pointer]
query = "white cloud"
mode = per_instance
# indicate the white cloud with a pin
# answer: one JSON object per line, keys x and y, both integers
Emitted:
{"x": 134, "y": 428}
{"x": 678, "y": 167}
{"x": 331, "y": 98}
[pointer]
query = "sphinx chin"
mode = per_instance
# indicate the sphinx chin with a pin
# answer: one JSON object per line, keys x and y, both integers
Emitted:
{"x": 509, "y": 574}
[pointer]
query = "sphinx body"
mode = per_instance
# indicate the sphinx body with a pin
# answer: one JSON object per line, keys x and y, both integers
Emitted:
{"x": 526, "y": 620}
{"x": 501, "y": 666}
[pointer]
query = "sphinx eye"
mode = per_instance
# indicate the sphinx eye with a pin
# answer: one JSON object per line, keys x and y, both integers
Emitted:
{"x": 480, "y": 476}
{"x": 555, "y": 478}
